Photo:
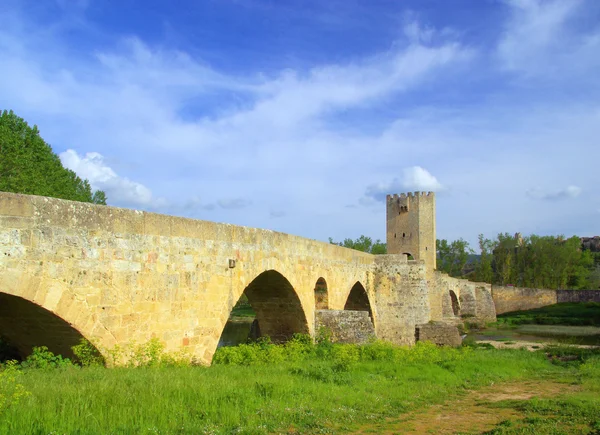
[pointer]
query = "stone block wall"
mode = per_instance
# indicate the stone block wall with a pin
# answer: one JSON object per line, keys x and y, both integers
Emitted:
{"x": 474, "y": 299}
{"x": 508, "y": 299}
{"x": 118, "y": 276}
{"x": 346, "y": 326}
{"x": 401, "y": 297}
{"x": 578, "y": 296}
{"x": 439, "y": 333}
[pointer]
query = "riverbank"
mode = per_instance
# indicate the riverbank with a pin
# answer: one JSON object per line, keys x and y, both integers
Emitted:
{"x": 296, "y": 388}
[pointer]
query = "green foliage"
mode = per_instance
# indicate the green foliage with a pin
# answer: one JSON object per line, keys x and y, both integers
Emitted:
{"x": 541, "y": 262}
{"x": 364, "y": 244}
{"x": 573, "y": 413}
{"x": 11, "y": 391}
{"x": 570, "y": 355}
{"x": 572, "y": 314}
{"x": 87, "y": 355}
{"x": 243, "y": 308}
{"x": 452, "y": 257}
{"x": 350, "y": 387}
{"x": 42, "y": 358}
{"x": 342, "y": 356}
{"x": 533, "y": 261}
{"x": 149, "y": 354}
{"x": 483, "y": 268}
{"x": 28, "y": 165}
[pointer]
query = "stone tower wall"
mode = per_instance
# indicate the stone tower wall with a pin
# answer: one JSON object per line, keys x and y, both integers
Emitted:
{"x": 411, "y": 226}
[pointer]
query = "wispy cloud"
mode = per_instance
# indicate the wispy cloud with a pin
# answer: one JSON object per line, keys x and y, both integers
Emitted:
{"x": 568, "y": 192}
{"x": 542, "y": 38}
{"x": 234, "y": 203}
{"x": 119, "y": 190}
{"x": 307, "y": 138}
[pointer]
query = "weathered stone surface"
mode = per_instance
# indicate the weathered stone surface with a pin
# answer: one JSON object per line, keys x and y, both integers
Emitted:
{"x": 591, "y": 243}
{"x": 508, "y": 299}
{"x": 460, "y": 298}
{"x": 117, "y": 276}
{"x": 438, "y": 333}
{"x": 577, "y": 296}
{"x": 346, "y": 326}
{"x": 401, "y": 297}
{"x": 411, "y": 226}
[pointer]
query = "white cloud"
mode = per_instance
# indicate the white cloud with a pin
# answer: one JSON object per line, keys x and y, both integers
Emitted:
{"x": 568, "y": 192}
{"x": 306, "y": 141}
{"x": 119, "y": 190}
{"x": 414, "y": 178}
{"x": 542, "y": 38}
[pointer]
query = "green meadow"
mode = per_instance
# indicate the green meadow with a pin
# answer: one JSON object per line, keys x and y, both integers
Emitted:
{"x": 299, "y": 387}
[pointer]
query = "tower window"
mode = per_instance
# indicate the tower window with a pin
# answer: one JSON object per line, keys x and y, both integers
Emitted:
{"x": 403, "y": 234}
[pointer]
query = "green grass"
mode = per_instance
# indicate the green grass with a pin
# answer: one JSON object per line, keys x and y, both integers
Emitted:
{"x": 242, "y": 309}
{"x": 263, "y": 388}
{"x": 570, "y": 314}
{"x": 576, "y": 413}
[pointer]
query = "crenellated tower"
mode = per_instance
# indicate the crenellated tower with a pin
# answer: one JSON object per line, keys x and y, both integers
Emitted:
{"x": 411, "y": 226}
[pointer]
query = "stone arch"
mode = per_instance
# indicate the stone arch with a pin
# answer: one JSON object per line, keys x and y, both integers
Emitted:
{"x": 454, "y": 303}
{"x": 358, "y": 299}
{"x": 321, "y": 295}
{"x": 409, "y": 256}
{"x": 279, "y": 312}
{"x": 25, "y": 325}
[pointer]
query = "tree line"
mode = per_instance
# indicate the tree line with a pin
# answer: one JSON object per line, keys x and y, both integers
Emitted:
{"x": 28, "y": 165}
{"x": 551, "y": 262}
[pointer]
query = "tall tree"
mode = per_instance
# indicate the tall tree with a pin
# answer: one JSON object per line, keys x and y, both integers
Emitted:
{"x": 28, "y": 165}
{"x": 452, "y": 257}
{"x": 483, "y": 268}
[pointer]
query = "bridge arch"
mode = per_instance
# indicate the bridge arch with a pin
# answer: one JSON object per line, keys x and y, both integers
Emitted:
{"x": 358, "y": 299}
{"x": 279, "y": 312}
{"x": 454, "y": 303}
{"x": 25, "y": 325}
{"x": 321, "y": 294}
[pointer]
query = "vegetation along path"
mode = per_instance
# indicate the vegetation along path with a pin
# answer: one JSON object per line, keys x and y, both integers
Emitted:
{"x": 307, "y": 388}
{"x": 498, "y": 408}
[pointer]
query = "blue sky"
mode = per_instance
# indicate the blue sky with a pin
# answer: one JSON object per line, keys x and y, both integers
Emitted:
{"x": 299, "y": 116}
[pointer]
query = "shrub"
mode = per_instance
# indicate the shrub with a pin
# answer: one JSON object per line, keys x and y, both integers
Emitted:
{"x": 11, "y": 391}
{"x": 42, "y": 358}
{"x": 87, "y": 355}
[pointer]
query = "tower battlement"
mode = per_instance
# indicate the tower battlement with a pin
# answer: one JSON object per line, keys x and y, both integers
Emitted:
{"x": 411, "y": 226}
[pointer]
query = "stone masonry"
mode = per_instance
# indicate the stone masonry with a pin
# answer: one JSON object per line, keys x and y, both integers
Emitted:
{"x": 114, "y": 276}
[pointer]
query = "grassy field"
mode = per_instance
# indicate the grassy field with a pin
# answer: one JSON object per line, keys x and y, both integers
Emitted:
{"x": 567, "y": 314}
{"x": 295, "y": 388}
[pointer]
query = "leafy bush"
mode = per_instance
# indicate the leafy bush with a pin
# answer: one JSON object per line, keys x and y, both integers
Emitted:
{"x": 301, "y": 348}
{"x": 42, "y": 358}
{"x": 11, "y": 391}
{"x": 87, "y": 355}
{"x": 149, "y": 354}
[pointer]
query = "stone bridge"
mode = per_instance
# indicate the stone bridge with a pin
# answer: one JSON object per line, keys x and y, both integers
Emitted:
{"x": 116, "y": 276}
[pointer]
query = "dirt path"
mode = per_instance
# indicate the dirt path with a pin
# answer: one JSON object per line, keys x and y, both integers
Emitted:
{"x": 472, "y": 413}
